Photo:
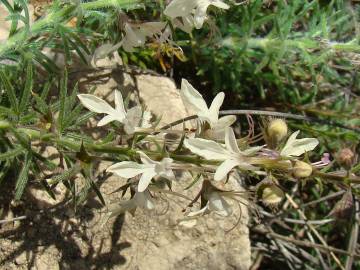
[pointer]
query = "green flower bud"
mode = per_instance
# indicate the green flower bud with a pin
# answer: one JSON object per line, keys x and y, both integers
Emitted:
{"x": 302, "y": 169}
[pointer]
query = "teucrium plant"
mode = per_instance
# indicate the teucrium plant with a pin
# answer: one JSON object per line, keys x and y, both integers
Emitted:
{"x": 143, "y": 158}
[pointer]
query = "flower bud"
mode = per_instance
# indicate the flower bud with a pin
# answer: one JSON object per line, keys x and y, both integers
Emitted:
{"x": 302, "y": 169}
{"x": 346, "y": 158}
{"x": 272, "y": 195}
{"x": 277, "y": 130}
{"x": 268, "y": 191}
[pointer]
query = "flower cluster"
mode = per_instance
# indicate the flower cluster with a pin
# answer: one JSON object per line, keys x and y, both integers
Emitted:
{"x": 182, "y": 14}
{"x": 214, "y": 158}
{"x": 187, "y": 14}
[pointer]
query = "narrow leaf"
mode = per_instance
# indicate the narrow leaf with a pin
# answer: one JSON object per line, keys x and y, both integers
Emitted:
{"x": 63, "y": 92}
{"x": 11, "y": 154}
{"x": 23, "y": 177}
{"x": 10, "y": 91}
{"x": 27, "y": 89}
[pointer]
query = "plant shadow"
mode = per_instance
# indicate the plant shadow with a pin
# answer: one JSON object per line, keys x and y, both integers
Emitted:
{"x": 74, "y": 241}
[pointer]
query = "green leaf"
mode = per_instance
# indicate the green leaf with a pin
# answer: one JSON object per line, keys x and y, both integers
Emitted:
{"x": 10, "y": 91}
{"x": 89, "y": 183}
{"x": 48, "y": 163}
{"x": 46, "y": 88}
{"x": 66, "y": 175}
{"x": 48, "y": 189}
{"x": 6, "y": 111}
{"x": 23, "y": 177}
{"x": 65, "y": 44}
{"x": 22, "y": 138}
{"x": 4, "y": 169}
{"x": 11, "y": 153}
{"x": 97, "y": 191}
{"x": 63, "y": 92}
{"x": 27, "y": 89}
{"x": 196, "y": 179}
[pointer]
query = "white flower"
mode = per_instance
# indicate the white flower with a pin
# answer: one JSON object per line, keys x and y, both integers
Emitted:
{"x": 216, "y": 203}
{"x": 140, "y": 199}
{"x": 103, "y": 51}
{"x": 297, "y": 147}
{"x": 135, "y": 35}
{"x": 148, "y": 170}
{"x": 134, "y": 119}
{"x": 192, "y": 11}
{"x": 186, "y": 24}
{"x": 192, "y": 98}
{"x": 230, "y": 154}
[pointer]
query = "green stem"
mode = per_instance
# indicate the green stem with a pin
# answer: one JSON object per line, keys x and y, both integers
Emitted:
{"x": 58, "y": 16}
{"x": 113, "y": 149}
{"x": 304, "y": 43}
{"x": 338, "y": 178}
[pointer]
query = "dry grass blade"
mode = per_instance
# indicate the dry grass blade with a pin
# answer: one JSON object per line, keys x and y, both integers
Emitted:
{"x": 317, "y": 234}
{"x": 353, "y": 238}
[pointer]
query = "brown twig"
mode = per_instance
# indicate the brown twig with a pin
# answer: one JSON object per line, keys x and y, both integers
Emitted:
{"x": 317, "y": 234}
{"x": 289, "y": 116}
{"x": 322, "y": 248}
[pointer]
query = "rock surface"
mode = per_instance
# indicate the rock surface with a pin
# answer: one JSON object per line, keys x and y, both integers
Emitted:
{"x": 149, "y": 240}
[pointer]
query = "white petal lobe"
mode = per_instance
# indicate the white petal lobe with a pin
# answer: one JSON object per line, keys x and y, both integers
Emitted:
{"x": 224, "y": 169}
{"x": 230, "y": 140}
{"x": 297, "y": 147}
{"x": 95, "y": 104}
{"x": 126, "y": 169}
{"x": 207, "y": 149}
{"x": 146, "y": 179}
{"x": 192, "y": 97}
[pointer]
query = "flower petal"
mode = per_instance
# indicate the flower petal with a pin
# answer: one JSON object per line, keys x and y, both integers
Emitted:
{"x": 297, "y": 147}
{"x": 126, "y": 169}
{"x": 188, "y": 222}
{"x": 206, "y": 149}
{"x": 191, "y": 97}
{"x": 168, "y": 174}
{"x": 133, "y": 119}
{"x": 230, "y": 141}
{"x": 225, "y": 121}
{"x": 152, "y": 28}
{"x": 179, "y": 8}
{"x": 200, "y": 14}
{"x": 215, "y": 107}
{"x": 119, "y": 104}
{"x": 106, "y": 120}
{"x": 143, "y": 200}
{"x": 219, "y": 205}
{"x": 252, "y": 150}
{"x": 186, "y": 24}
{"x": 146, "y": 119}
{"x": 224, "y": 169}
{"x": 95, "y": 104}
{"x": 146, "y": 160}
{"x": 220, "y": 4}
{"x": 133, "y": 38}
{"x": 145, "y": 179}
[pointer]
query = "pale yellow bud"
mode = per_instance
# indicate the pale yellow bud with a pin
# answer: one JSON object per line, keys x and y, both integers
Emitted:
{"x": 277, "y": 130}
{"x": 302, "y": 169}
{"x": 272, "y": 195}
